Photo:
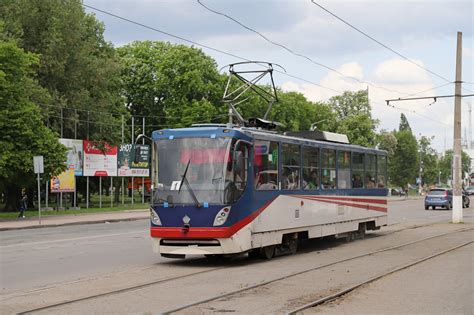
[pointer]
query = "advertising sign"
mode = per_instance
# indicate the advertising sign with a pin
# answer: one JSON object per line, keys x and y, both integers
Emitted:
{"x": 133, "y": 160}
{"x": 64, "y": 182}
{"x": 99, "y": 159}
{"x": 75, "y": 155}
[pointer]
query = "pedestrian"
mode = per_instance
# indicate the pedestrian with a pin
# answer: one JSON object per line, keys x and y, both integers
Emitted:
{"x": 406, "y": 190}
{"x": 23, "y": 203}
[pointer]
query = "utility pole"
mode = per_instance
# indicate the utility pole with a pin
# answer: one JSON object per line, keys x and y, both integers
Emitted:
{"x": 457, "y": 162}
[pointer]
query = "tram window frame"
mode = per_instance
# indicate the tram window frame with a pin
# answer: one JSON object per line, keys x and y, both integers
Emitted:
{"x": 357, "y": 170}
{"x": 290, "y": 166}
{"x": 266, "y": 183}
{"x": 382, "y": 176}
{"x": 328, "y": 168}
{"x": 310, "y": 168}
{"x": 370, "y": 170}
{"x": 344, "y": 171}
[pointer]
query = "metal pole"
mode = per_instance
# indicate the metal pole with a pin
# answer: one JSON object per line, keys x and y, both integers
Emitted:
{"x": 87, "y": 192}
{"x": 133, "y": 141}
{"x": 100, "y": 192}
{"x": 123, "y": 141}
{"x": 457, "y": 161}
{"x": 75, "y": 137}
{"x": 39, "y": 200}
{"x": 46, "y": 186}
{"x": 420, "y": 185}
{"x": 111, "y": 192}
{"x": 61, "y": 122}
{"x": 143, "y": 178}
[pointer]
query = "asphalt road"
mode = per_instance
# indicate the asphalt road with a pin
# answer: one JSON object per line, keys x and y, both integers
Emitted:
{"x": 43, "y": 257}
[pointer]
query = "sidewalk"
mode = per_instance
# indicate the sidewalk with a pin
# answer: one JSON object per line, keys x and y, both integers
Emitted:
{"x": 89, "y": 218}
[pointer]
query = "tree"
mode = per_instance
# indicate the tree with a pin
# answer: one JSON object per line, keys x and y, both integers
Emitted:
{"x": 297, "y": 113}
{"x": 387, "y": 141}
{"x": 22, "y": 131}
{"x": 175, "y": 85}
{"x": 446, "y": 165}
{"x": 77, "y": 66}
{"x": 429, "y": 161}
{"x": 353, "y": 114}
{"x": 404, "y": 125}
{"x": 404, "y": 164}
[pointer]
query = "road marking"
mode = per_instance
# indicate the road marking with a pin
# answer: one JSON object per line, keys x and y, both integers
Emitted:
{"x": 71, "y": 239}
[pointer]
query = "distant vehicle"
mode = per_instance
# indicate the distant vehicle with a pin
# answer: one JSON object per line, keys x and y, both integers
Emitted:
{"x": 470, "y": 190}
{"x": 442, "y": 197}
{"x": 397, "y": 192}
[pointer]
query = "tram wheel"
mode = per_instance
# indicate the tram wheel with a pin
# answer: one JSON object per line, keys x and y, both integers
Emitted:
{"x": 293, "y": 245}
{"x": 268, "y": 252}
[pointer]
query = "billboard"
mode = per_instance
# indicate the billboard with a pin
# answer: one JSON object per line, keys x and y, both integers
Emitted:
{"x": 64, "y": 182}
{"x": 133, "y": 160}
{"x": 75, "y": 155}
{"x": 100, "y": 159}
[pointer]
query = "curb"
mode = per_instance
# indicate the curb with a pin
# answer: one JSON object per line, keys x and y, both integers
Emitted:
{"x": 70, "y": 223}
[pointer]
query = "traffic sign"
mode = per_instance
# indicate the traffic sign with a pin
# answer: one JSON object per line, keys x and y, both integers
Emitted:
{"x": 38, "y": 164}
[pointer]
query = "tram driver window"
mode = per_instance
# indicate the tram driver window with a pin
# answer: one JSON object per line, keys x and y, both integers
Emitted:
{"x": 357, "y": 170}
{"x": 290, "y": 177}
{"x": 265, "y": 165}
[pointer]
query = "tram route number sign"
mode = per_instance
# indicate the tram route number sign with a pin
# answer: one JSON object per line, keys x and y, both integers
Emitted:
{"x": 38, "y": 164}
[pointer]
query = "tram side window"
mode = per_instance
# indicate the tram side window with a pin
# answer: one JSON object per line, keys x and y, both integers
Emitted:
{"x": 310, "y": 168}
{"x": 357, "y": 170}
{"x": 328, "y": 169}
{"x": 265, "y": 161}
{"x": 371, "y": 169}
{"x": 343, "y": 170}
{"x": 381, "y": 171}
{"x": 290, "y": 159}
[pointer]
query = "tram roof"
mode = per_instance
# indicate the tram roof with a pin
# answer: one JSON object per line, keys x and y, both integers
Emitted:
{"x": 253, "y": 133}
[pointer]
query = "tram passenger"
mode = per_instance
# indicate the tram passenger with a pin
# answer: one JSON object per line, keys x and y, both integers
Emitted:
{"x": 357, "y": 182}
{"x": 311, "y": 182}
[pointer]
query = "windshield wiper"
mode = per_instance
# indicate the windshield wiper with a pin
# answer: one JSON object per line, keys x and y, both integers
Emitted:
{"x": 185, "y": 180}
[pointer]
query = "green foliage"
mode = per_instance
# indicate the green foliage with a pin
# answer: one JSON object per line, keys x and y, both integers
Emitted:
{"x": 179, "y": 84}
{"x": 404, "y": 125}
{"x": 22, "y": 132}
{"x": 429, "y": 160}
{"x": 446, "y": 165}
{"x": 404, "y": 164}
{"x": 387, "y": 141}
{"x": 354, "y": 118}
{"x": 77, "y": 66}
{"x": 297, "y": 113}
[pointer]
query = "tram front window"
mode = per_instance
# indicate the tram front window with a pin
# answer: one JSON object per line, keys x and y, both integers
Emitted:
{"x": 206, "y": 161}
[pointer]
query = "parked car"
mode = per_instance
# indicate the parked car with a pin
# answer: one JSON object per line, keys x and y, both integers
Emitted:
{"x": 397, "y": 192}
{"x": 470, "y": 190}
{"x": 442, "y": 197}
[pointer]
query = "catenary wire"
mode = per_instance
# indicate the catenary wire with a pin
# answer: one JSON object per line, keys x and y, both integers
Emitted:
{"x": 292, "y": 51}
{"x": 197, "y": 44}
{"x": 380, "y": 43}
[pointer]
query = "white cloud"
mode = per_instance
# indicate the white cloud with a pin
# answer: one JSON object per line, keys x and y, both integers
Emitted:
{"x": 400, "y": 71}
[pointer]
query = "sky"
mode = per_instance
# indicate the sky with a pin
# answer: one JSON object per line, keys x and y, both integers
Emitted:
{"x": 425, "y": 32}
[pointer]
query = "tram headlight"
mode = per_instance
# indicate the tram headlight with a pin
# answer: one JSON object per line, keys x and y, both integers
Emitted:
{"x": 222, "y": 216}
{"x": 155, "y": 219}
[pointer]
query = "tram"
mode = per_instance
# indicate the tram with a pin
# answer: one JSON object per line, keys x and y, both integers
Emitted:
{"x": 223, "y": 191}
{"x": 236, "y": 188}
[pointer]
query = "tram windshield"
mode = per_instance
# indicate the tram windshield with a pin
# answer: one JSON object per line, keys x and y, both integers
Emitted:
{"x": 204, "y": 161}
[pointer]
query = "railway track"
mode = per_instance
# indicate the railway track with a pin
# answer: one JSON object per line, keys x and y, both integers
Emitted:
{"x": 252, "y": 287}
{"x": 248, "y": 288}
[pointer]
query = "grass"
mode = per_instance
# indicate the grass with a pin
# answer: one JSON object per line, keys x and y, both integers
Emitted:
{"x": 34, "y": 212}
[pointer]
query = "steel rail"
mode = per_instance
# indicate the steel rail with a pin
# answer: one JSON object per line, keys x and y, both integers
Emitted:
{"x": 217, "y": 297}
{"x": 152, "y": 283}
{"x": 375, "y": 278}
